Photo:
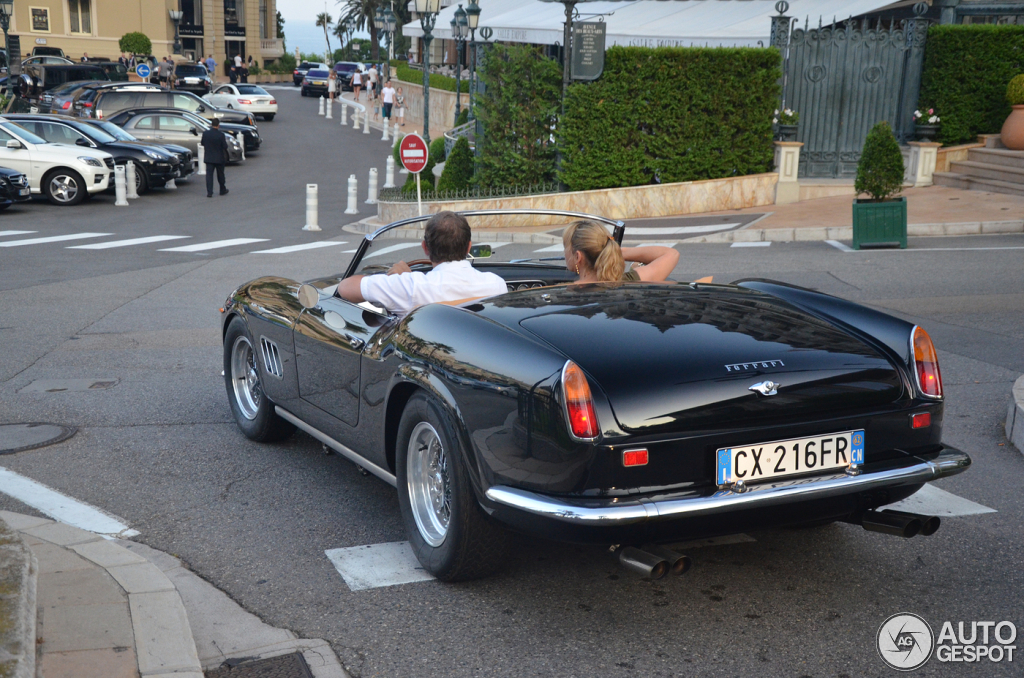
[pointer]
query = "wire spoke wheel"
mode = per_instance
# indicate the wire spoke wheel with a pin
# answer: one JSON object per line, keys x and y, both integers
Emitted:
{"x": 245, "y": 378}
{"x": 429, "y": 483}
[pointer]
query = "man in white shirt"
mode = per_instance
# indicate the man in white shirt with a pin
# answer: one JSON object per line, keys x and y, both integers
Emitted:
{"x": 387, "y": 98}
{"x": 446, "y": 241}
{"x": 373, "y": 82}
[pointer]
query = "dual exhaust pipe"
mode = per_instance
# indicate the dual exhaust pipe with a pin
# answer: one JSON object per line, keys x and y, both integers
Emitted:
{"x": 653, "y": 561}
{"x": 898, "y": 523}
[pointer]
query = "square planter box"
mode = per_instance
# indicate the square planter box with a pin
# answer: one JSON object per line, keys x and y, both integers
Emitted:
{"x": 880, "y": 223}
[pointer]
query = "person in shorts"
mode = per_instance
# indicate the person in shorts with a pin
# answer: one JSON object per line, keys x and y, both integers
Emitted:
{"x": 357, "y": 83}
{"x": 387, "y": 97}
{"x": 400, "y": 106}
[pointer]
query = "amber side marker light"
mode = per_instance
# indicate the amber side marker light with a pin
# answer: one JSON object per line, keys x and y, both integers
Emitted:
{"x": 921, "y": 420}
{"x": 926, "y": 364}
{"x": 579, "y": 405}
{"x": 634, "y": 457}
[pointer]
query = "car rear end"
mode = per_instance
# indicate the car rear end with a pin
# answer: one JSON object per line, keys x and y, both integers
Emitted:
{"x": 315, "y": 83}
{"x": 192, "y": 78}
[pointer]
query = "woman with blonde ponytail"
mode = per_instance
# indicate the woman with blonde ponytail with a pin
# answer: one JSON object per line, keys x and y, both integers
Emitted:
{"x": 595, "y": 256}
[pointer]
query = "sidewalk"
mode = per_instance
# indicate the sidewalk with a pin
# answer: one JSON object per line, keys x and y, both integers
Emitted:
{"x": 436, "y": 132}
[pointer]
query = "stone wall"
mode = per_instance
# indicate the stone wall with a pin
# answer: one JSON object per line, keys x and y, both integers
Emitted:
{"x": 442, "y": 107}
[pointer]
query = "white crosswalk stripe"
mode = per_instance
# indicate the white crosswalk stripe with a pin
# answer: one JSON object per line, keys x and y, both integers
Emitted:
{"x": 216, "y": 244}
{"x": 642, "y": 243}
{"x": 127, "y": 243}
{"x": 552, "y": 248}
{"x": 677, "y": 230}
{"x": 839, "y": 246}
{"x": 299, "y": 248}
{"x": 6, "y": 233}
{"x": 52, "y": 238}
{"x": 757, "y": 243}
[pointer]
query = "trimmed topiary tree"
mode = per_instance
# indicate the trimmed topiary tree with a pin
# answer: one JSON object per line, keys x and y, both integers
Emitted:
{"x": 463, "y": 117}
{"x": 135, "y": 43}
{"x": 1015, "y": 90}
{"x": 880, "y": 170}
{"x": 458, "y": 168}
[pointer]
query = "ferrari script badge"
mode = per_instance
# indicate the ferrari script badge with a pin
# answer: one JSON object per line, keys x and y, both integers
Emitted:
{"x": 766, "y": 388}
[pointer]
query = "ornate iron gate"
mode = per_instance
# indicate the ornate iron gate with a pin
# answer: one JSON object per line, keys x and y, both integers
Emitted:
{"x": 844, "y": 78}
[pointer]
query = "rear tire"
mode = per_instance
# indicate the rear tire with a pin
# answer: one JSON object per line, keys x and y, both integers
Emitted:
{"x": 252, "y": 409}
{"x": 64, "y": 187}
{"x": 269, "y": 117}
{"x": 141, "y": 180}
{"x": 448, "y": 531}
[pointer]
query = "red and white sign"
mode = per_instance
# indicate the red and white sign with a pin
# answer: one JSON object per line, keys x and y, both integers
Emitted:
{"x": 413, "y": 152}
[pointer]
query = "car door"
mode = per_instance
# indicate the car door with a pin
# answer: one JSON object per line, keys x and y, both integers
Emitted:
{"x": 329, "y": 342}
{"x": 18, "y": 159}
{"x": 175, "y": 130}
{"x": 222, "y": 96}
{"x": 57, "y": 133}
{"x": 144, "y": 127}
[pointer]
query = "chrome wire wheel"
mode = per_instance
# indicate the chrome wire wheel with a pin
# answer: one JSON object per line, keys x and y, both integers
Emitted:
{"x": 64, "y": 188}
{"x": 245, "y": 378}
{"x": 429, "y": 483}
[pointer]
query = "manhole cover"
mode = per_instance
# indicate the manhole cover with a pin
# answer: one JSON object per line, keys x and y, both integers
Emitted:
{"x": 20, "y": 437}
{"x": 286, "y": 666}
{"x": 66, "y": 385}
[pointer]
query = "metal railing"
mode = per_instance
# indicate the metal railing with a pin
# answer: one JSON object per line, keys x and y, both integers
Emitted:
{"x": 467, "y": 130}
{"x": 397, "y": 195}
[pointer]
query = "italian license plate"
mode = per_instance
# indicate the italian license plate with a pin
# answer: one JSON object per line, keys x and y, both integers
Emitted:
{"x": 779, "y": 458}
{"x": 24, "y": 191}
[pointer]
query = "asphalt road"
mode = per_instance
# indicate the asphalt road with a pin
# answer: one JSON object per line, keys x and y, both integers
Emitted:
{"x": 160, "y": 450}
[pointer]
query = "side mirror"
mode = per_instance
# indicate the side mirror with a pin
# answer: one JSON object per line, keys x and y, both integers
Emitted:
{"x": 309, "y": 296}
{"x": 479, "y": 251}
{"x": 13, "y": 143}
{"x": 82, "y": 141}
{"x": 201, "y": 109}
{"x": 194, "y": 131}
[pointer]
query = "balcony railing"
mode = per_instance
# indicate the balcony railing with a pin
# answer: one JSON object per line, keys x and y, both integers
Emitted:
{"x": 272, "y": 47}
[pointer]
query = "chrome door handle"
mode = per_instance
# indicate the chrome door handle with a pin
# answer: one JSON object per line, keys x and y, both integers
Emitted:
{"x": 355, "y": 342}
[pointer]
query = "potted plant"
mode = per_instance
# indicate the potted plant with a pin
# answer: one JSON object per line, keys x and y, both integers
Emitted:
{"x": 1012, "y": 134}
{"x": 786, "y": 124}
{"x": 926, "y": 125}
{"x": 881, "y": 219}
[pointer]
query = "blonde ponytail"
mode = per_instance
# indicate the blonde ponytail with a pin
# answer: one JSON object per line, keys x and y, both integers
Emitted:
{"x": 599, "y": 249}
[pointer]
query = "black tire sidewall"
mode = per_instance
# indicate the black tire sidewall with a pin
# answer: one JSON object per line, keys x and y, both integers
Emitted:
{"x": 260, "y": 427}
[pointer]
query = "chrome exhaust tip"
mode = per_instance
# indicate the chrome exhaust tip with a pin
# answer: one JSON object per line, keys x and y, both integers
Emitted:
{"x": 929, "y": 524}
{"x": 906, "y": 525}
{"x": 643, "y": 563}
{"x": 677, "y": 562}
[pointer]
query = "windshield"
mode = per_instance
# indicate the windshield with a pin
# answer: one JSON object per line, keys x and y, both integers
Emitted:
{"x": 251, "y": 89}
{"x": 306, "y": 66}
{"x": 190, "y": 70}
{"x": 114, "y": 131}
{"x": 97, "y": 134}
{"x": 203, "y": 123}
{"x": 23, "y": 133}
{"x": 345, "y": 68}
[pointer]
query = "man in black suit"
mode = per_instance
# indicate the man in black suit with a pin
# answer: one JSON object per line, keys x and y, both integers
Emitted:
{"x": 215, "y": 155}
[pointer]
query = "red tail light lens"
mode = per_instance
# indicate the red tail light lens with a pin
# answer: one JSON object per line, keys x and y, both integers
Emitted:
{"x": 273, "y": 101}
{"x": 921, "y": 420}
{"x": 926, "y": 364}
{"x": 636, "y": 457}
{"x": 66, "y": 105}
{"x": 244, "y": 102}
{"x": 579, "y": 405}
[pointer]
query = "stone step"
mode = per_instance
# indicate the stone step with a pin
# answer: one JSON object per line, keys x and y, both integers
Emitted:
{"x": 997, "y": 156}
{"x": 964, "y": 182}
{"x": 984, "y": 170}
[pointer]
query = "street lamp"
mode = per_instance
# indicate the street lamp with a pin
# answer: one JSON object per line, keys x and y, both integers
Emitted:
{"x": 390, "y": 25}
{"x": 6, "y": 11}
{"x": 460, "y": 31}
{"x": 427, "y": 10}
{"x": 176, "y": 15}
{"x": 473, "y": 19}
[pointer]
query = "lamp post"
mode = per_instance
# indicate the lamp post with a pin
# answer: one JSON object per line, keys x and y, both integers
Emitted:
{"x": 473, "y": 19}
{"x": 427, "y": 10}
{"x": 6, "y": 10}
{"x": 390, "y": 25}
{"x": 176, "y": 15}
{"x": 460, "y": 31}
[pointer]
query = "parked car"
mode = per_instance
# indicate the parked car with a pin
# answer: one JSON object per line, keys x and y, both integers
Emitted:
{"x": 185, "y": 156}
{"x": 192, "y": 78}
{"x": 46, "y": 61}
{"x": 250, "y": 134}
{"x": 115, "y": 70}
{"x": 154, "y": 166}
{"x": 83, "y": 99}
{"x": 13, "y": 188}
{"x": 345, "y": 71}
{"x": 59, "y": 100}
{"x": 66, "y": 175}
{"x": 110, "y": 102}
{"x": 172, "y": 126}
{"x": 251, "y": 98}
{"x": 49, "y": 77}
{"x": 315, "y": 83}
{"x": 300, "y": 71}
{"x": 44, "y": 50}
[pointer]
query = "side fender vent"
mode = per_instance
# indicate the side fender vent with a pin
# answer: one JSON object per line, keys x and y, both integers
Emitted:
{"x": 271, "y": 358}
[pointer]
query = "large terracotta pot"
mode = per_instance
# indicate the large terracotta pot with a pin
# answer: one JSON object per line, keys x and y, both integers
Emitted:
{"x": 1012, "y": 134}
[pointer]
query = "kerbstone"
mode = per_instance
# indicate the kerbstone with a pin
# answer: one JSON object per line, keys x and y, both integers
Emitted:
{"x": 970, "y": 228}
{"x": 926, "y": 229}
{"x": 20, "y": 521}
{"x": 107, "y": 554}
{"x": 61, "y": 534}
{"x": 1002, "y": 226}
{"x": 820, "y": 233}
{"x": 163, "y": 636}
{"x": 141, "y": 578}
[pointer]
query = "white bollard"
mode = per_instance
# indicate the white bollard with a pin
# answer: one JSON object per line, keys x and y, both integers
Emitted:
{"x": 366, "y": 120}
{"x": 119, "y": 193}
{"x": 170, "y": 185}
{"x": 355, "y": 119}
{"x": 312, "y": 208}
{"x": 344, "y": 114}
{"x": 396, "y": 136}
{"x": 321, "y": 106}
{"x": 130, "y": 179}
{"x": 387, "y": 128}
{"x": 371, "y": 197}
{"x": 241, "y": 143}
{"x": 329, "y": 107}
{"x": 353, "y": 195}
{"x": 389, "y": 173}
{"x": 202, "y": 161}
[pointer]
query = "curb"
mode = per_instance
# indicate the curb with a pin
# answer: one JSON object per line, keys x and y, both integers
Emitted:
{"x": 18, "y": 573}
{"x": 1015, "y": 416}
{"x": 846, "y": 232}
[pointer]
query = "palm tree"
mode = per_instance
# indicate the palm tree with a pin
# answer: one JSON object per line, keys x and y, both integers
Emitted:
{"x": 359, "y": 14}
{"x": 324, "y": 19}
{"x": 342, "y": 31}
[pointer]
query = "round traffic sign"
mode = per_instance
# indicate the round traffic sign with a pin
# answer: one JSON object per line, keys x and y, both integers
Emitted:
{"x": 142, "y": 70}
{"x": 413, "y": 152}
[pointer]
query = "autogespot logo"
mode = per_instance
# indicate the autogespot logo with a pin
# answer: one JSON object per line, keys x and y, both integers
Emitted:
{"x": 905, "y": 641}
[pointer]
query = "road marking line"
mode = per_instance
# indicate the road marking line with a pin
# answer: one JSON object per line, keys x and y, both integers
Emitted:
{"x": 299, "y": 248}
{"x": 495, "y": 245}
{"x": 641, "y": 243}
{"x": 933, "y": 501}
{"x": 127, "y": 243}
{"x": 377, "y": 565}
{"x": 52, "y": 238}
{"x": 393, "y": 248}
{"x": 216, "y": 244}
{"x": 756, "y": 243}
{"x": 839, "y": 246}
{"x": 62, "y": 507}
{"x": 4, "y": 233}
{"x": 552, "y": 248}
{"x": 675, "y": 230}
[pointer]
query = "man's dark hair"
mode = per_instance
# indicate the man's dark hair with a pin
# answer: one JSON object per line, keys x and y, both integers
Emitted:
{"x": 447, "y": 236}
{"x": 215, "y": 122}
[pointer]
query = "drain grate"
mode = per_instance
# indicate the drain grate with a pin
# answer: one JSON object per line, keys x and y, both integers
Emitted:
{"x": 21, "y": 437}
{"x": 285, "y": 666}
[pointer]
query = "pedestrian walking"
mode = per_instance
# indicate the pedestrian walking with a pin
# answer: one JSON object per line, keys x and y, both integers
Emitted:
{"x": 211, "y": 64}
{"x": 357, "y": 82}
{"x": 215, "y": 154}
{"x": 372, "y": 75}
{"x": 165, "y": 72}
{"x": 400, "y": 106}
{"x": 332, "y": 84}
{"x": 376, "y": 110}
{"x": 387, "y": 97}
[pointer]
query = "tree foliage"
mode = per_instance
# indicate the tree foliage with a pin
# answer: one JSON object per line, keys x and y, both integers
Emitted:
{"x": 518, "y": 111}
{"x": 458, "y": 168}
{"x": 880, "y": 170}
{"x": 358, "y": 14}
{"x": 1015, "y": 90}
{"x": 324, "y": 20}
{"x": 135, "y": 43}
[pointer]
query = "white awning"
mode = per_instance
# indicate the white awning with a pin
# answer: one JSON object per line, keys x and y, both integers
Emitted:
{"x": 716, "y": 23}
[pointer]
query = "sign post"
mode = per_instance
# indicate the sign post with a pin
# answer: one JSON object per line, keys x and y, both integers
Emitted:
{"x": 143, "y": 71}
{"x": 588, "y": 49}
{"x": 413, "y": 153}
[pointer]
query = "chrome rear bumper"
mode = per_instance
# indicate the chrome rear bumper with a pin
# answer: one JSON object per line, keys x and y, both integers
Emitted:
{"x": 625, "y": 511}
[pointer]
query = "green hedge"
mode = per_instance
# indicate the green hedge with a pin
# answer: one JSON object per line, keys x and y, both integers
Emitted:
{"x": 966, "y": 70}
{"x": 671, "y": 114}
{"x": 437, "y": 81}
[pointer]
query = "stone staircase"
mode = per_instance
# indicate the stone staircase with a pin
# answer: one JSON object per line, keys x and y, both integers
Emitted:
{"x": 993, "y": 168}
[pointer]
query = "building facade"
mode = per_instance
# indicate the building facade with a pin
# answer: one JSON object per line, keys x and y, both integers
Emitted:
{"x": 223, "y": 28}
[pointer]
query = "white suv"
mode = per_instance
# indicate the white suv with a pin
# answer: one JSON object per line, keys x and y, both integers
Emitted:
{"x": 64, "y": 174}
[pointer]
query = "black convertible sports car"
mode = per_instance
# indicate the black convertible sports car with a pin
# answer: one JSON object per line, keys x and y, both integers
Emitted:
{"x": 630, "y": 414}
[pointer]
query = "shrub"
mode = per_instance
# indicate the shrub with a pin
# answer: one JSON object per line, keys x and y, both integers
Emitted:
{"x": 405, "y": 73}
{"x": 135, "y": 43}
{"x": 1015, "y": 90}
{"x": 458, "y": 168}
{"x": 671, "y": 114}
{"x": 880, "y": 170}
{"x": 966, "y": 68}
{"x": 463, "y": 117}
